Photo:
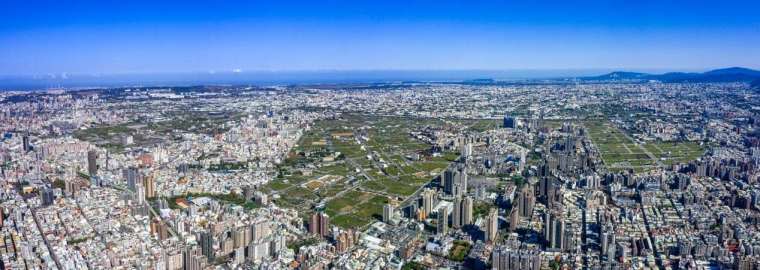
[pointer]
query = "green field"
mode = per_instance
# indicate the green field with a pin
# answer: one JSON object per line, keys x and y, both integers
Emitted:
{"x": 675, "y": 152}
{"x": 619, "y": 152}
{"x": 355, "y": 209}
{"x": 365, "y": 183}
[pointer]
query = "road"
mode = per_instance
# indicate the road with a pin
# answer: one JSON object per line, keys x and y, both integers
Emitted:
{"x": 657, "y": 258}
{"x": 44, "y": 239}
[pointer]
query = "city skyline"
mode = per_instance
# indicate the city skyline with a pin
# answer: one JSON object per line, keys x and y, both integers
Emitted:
{"x": 397, "y": 135}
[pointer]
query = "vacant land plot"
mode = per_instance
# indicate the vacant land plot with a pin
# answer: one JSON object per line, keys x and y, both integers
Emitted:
{"x": 675, "y": 152}
{"x": 373, "y": 167}
{"x": 617, "y": 150}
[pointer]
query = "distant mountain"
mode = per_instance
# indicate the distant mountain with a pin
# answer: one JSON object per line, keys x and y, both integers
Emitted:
{"x": 733, "y": 74}
{"x": 620, "y": 75}
{"x": 733, "y": 71}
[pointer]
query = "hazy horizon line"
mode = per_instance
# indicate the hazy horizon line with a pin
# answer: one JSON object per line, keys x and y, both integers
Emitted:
{"x": 289, "y": 77}
{"x": 329, "y": 70}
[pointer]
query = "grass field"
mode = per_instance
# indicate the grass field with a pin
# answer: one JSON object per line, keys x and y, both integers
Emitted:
{"x": 355, "y": 209}
{"x": 619, "y": 152}
{"x": 366, "y": 184}
{"x": 675, "y": 152}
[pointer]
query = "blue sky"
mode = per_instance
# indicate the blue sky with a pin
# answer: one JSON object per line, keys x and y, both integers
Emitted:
{"x": 111, "y": 37}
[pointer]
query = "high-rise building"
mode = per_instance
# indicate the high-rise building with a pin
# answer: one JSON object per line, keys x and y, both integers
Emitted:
{"x": 314, "y": 224}
{"x": 344, "y": 241}
{"x": 319, "y": 224}
{"x": 140, "y": 195}
{"x": 158, "y": 229}
{"x": 467, "y": 205}
{"x": 150, "y": 187}
{"x": 448, "y": 181}
{"x": 26, "y": 144}
{"x": 388, "y": 212}
{"x": 550, "y": 191}
{"x": 456, "y": 215}
{"x": 261, "y": 229}
{"x": 555, "y": 231}
{"x": 543, "y": 187}
{"x": 48, "y": 196}
{"x": 324, "y": 227}
{"x": 443, "y": 220}
{"x": 461, "y": 182}
{"x": 455, "y": 182}
{"x": 540, "y": 119}
{"x": 514, "y": 219}
{"x": 207, "y": 244}
{"x": 525, "y": 201}
{"x": 509, "y": 122}
{"x": 492, "y": 225}
{"x": 462, "y": 214}
{"x": 174, "y": 260}
{"x": 503, "y": 258}
{"x": 92, "y": 165}
{"x": 608, "y": 243}
{"x": 193, "y": 258}
{"x": 428, "y": 201}
{"x": 466, "y": 150}
{"x": 132, "y": 177}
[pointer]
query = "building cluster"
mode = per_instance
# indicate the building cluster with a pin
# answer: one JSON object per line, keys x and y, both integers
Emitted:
{"x": 540, "y": 176}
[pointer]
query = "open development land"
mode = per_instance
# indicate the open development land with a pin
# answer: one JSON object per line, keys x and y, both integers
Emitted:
{"x": 674, "y": 152}
{"x": 351, "y": 166}
{"x": 620, "y": 152}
